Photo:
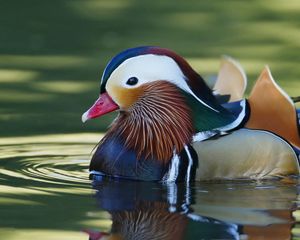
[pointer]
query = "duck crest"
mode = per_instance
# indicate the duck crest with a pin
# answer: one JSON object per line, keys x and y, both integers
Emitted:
{"x": 157, "y": 124}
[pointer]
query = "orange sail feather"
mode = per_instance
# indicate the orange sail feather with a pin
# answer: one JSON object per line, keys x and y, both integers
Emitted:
{"x": 272, "y": 109}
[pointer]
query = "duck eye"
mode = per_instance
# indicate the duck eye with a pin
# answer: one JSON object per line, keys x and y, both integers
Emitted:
{"x": 132, "y": 81}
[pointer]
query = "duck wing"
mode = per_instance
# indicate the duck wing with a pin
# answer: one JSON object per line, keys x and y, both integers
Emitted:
{"x": 231, "y": 82}
{"x": 273, "y": 110}
{"x": 245, "y": 153}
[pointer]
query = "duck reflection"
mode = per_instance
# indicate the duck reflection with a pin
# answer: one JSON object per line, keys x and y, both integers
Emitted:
{"x": 145, "y": 210}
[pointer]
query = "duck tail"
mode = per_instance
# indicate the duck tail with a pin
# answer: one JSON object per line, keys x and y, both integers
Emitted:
{"x": 273, "y": 110}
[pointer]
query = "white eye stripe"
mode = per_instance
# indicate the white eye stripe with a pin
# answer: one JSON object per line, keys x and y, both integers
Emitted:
{"x": 149, "y": 68}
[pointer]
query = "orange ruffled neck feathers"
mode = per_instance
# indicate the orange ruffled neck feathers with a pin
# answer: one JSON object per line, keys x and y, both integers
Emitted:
{"x": 159, "y": 120}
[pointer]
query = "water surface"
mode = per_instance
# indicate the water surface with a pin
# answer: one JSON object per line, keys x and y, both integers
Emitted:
{"x": 45, "y": 194}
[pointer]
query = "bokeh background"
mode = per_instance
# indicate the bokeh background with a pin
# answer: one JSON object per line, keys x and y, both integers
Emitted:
{"x": 52, "y": 53}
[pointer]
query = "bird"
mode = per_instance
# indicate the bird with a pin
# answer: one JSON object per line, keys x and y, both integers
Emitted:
{"x": 171, "y": 127}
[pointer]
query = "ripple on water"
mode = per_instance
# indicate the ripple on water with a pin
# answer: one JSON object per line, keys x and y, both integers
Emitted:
{"x": 55, "y": 159}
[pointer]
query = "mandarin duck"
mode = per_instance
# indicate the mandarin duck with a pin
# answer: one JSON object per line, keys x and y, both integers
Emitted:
{"x": 172, "y": 127}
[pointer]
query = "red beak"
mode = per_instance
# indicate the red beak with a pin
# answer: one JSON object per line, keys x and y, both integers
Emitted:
{"x": 94, "y": 235}
{"x": 104, "y": 104}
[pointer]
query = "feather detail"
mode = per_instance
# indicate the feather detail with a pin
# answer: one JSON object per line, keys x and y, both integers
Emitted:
{"x": 159, "y": 122}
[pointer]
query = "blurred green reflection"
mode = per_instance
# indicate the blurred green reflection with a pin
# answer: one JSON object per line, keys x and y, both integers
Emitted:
{"x": 52, "y": 53}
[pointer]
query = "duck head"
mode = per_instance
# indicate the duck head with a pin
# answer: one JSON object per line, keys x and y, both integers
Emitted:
{"x": 162, "y": 102}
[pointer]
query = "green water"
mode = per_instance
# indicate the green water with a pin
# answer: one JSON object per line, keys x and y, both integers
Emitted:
{"x": 44, "y": 189}
{"x": 45, "y": 193}
{"x": 53, "y": 53}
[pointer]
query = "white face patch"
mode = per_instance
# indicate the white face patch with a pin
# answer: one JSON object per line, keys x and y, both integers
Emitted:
{"x": 149, "y": 68}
